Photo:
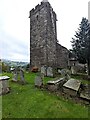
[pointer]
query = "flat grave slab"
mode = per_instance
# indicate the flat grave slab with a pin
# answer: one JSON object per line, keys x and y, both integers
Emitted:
{"x": 4, "y": 78}
{"x": 85, "y": 95}
{"x": 54, "y": 81}
{"x": 71, "y": 87}
{"x": 55, "y": 84}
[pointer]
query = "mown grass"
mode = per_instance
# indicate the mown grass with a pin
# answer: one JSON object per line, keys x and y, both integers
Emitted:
{"x": 26, "y": 101}
{"x": 82, "y": 78}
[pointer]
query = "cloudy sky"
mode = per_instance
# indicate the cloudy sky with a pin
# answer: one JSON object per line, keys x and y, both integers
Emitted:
{"x": 15, "y": 24}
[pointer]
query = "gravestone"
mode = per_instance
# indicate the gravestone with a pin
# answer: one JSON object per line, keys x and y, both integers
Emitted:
{"x": 65, "y": 73}
{"x": 4, "y": 85}
{"x": 22, "y": 80}
{"x": 73, "y": 70}
{"x": 71, "y": 87}
{"x": 15, "y": 75}
{"x": 50, "y": 72}
{"x": 43, "y": 70}
{"x": 38, "y": 80}
{"x": 56, "y": 84}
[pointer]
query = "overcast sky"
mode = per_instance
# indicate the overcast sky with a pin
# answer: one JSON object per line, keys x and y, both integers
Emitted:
{"x": 15, "y": 24}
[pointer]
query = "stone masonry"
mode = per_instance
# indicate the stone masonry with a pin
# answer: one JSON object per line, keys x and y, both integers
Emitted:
{"x": 44, "y": 49}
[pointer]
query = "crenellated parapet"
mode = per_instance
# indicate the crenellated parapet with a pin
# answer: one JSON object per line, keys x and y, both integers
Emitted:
{"x": 39, "y": 7}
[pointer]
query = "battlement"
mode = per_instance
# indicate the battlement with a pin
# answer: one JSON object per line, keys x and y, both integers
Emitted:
{"x": 38, "y": 7}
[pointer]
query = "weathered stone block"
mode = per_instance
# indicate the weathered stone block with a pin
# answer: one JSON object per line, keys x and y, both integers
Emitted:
{"x": 50, "y": 72}
{"x": 38, "y": 81}
{"x": 55, "y": 85}
{"x": 71, "y": 87}
{"x": 85, "y": 93}
{"x": 4, "y": 85}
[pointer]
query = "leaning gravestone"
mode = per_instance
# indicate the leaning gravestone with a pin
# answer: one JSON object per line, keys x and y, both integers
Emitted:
{"x": 50, "y": 72}
{"x": 71, "y": 87}
{"x": 22, "y": 80}
{"x": 38, "y": 80}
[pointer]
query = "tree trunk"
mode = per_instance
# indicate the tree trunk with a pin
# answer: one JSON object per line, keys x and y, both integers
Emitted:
{"x": 88, "y": 66}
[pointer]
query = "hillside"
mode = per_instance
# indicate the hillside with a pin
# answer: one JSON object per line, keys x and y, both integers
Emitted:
{"x": 14, "y": 63}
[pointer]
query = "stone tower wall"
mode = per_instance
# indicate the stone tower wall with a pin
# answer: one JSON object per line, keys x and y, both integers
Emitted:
{"x": 44, "y": 49}
{"x": 42, "y": 35}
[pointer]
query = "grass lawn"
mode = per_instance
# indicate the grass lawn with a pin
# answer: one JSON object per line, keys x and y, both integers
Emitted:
{"x": 26, "y": 101}
{"x": 82, "y": 78}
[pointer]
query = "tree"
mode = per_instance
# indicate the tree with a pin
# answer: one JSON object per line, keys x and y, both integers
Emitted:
{"x": 4, "y": 67}
{"x": 81, "y": 43}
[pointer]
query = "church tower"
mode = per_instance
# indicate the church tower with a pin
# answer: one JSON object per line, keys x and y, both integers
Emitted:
{"x": 43, "y": 35}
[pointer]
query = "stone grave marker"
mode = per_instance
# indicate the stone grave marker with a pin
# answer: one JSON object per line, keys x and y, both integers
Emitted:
{"x": 65, "y": 73}
{"x": 4, "y": 85}
{"x": 50, "y": 72}
{"x": 38, "y": 80}
{"x": 56, "y": 84}
{"x": 43, "y": 70}
{"x": 71, "y": 87}
{"x": 15, "y": 75}
{"x": 73, "y": 70}
{"x": 22, "y": 80}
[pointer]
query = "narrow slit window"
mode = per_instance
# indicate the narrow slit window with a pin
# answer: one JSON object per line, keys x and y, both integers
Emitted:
{"x": 37, "y": 17}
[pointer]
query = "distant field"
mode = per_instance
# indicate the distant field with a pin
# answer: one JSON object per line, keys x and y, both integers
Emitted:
{"x": 26, "y": 101}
